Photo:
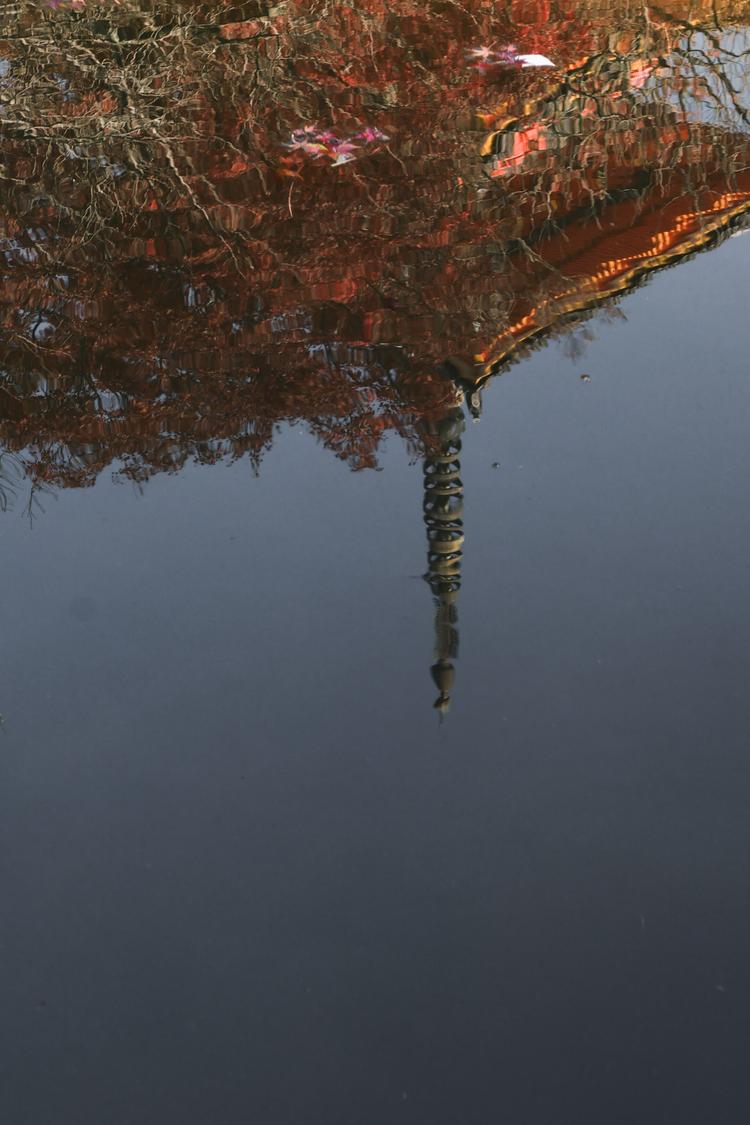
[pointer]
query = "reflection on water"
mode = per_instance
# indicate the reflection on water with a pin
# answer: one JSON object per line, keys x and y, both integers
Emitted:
{"x": 247, "y": 874}
{"x": 443, "y": 511}
{"x": 217, "y": 219}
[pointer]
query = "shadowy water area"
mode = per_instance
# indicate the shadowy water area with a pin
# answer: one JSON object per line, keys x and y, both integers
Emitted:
{"x": 374, "y": 474}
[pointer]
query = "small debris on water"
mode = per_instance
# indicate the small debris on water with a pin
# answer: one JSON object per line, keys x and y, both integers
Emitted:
{"x": 483, "y": 58}
{"x": 495, "y": 464}
{"x": 534, "y": 60}
{"x": 586, "y": 378}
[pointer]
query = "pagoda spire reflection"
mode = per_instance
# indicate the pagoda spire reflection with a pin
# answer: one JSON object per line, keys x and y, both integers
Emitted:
{"x": 443, "y": 517}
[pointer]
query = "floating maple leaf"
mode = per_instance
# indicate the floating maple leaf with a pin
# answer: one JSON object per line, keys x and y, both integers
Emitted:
{"x": 371, "y": 135}
{"x": 343, "y": 151}
{"x": 481, "y": 54}
{"x": 485, "y": 57}
{"x": 316, "y": 143}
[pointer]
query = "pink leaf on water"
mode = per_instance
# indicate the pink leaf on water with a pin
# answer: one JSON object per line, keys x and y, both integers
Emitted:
{"x": 370, "y": 135}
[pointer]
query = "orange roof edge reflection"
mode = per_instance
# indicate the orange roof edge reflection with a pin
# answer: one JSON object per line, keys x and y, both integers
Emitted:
{"x": 647, "y": 250}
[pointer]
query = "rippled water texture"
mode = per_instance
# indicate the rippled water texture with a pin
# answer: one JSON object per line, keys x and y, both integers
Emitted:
{"x": 272, "y": 848}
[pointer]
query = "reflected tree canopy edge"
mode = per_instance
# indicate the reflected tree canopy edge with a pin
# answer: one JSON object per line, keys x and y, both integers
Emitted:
{"x": 219, "y": 218}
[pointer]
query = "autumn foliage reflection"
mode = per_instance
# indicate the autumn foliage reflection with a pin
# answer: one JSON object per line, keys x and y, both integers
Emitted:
{"x": 217, "y": 218}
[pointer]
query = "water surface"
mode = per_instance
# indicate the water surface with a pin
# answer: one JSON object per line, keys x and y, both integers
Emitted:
{"x": 289, "y": 833}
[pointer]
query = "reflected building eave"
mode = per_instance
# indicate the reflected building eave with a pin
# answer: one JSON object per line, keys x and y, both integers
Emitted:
{"x": 595, "y": 271}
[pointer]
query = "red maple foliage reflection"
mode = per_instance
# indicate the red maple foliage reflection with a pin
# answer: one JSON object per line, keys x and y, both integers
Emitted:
{"x": 217, "y": 218}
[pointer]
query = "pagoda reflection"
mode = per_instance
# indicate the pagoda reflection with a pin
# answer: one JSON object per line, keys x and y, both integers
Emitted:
{"x": 178, "y": 279}
{"x": 443, "y": 516}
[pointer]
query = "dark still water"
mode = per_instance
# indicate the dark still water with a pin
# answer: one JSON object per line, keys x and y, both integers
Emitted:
{"x": 288, "y": 833}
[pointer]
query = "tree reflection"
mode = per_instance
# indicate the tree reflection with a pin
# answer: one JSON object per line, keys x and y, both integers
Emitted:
{"x": 218, "y": 218}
